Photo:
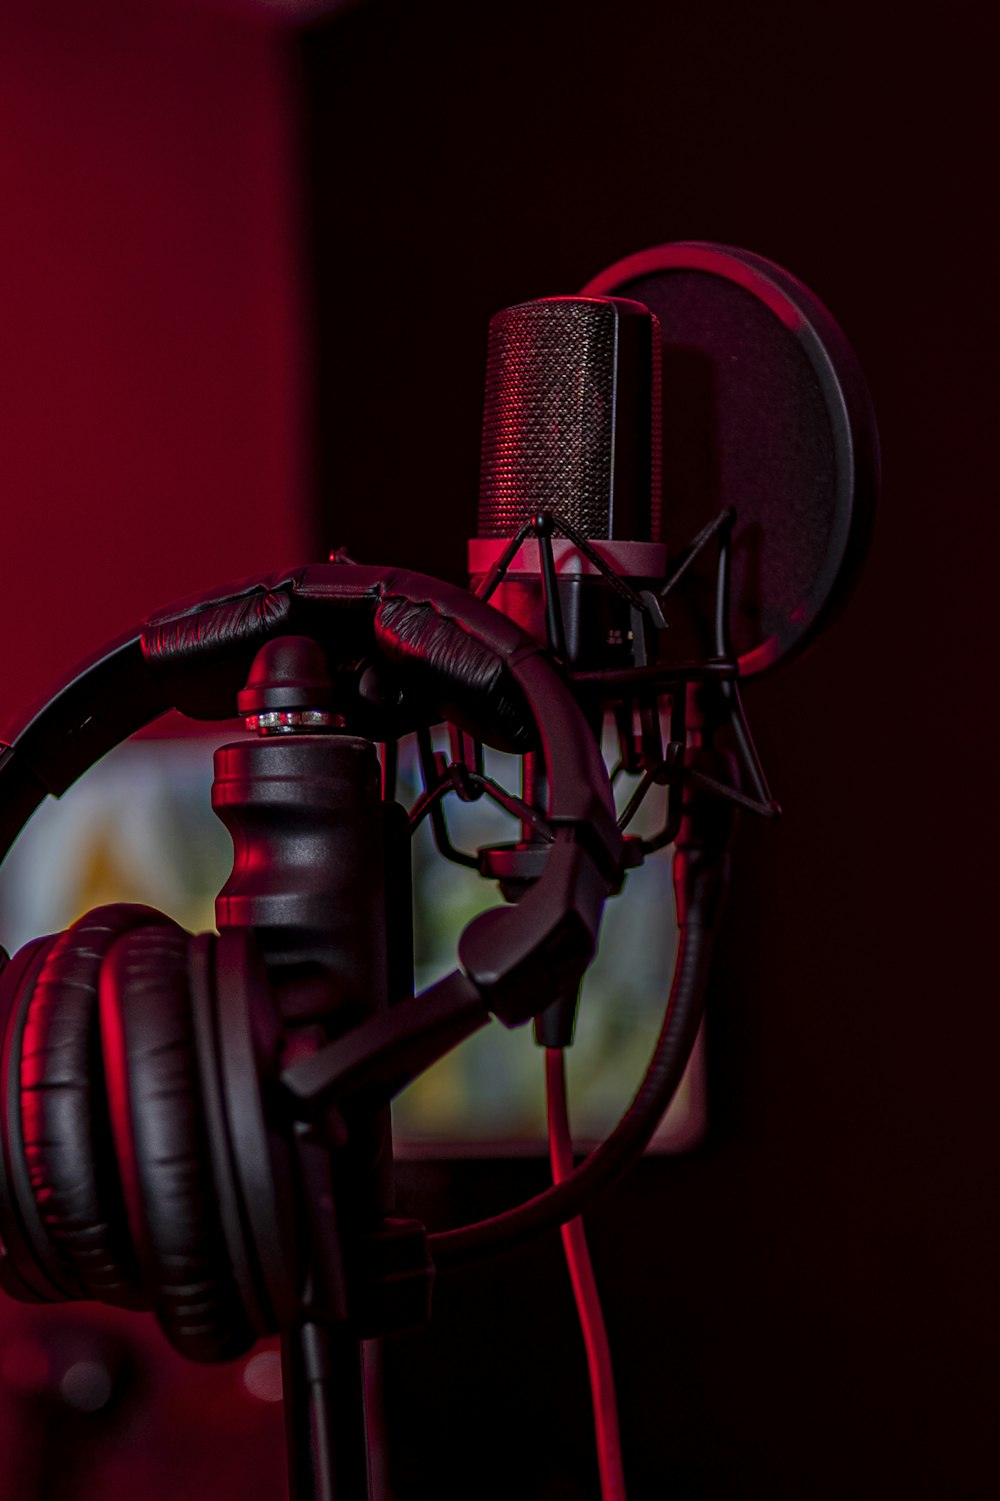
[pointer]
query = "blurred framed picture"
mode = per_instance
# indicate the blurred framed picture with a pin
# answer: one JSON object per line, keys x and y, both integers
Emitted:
{"x": 140, "y": 827}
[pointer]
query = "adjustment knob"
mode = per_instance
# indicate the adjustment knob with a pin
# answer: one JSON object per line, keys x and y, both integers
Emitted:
{"x": 289, "y": 689}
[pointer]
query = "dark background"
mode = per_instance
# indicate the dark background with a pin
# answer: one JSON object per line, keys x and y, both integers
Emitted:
{"x": 805, "y": 1307}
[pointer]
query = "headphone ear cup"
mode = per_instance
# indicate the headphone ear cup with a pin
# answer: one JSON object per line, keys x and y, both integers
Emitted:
{"x": 72, "y": 1211}
{"x": 161, "y": 1144}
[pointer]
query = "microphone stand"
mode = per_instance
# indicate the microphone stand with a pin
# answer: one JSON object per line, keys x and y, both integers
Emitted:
{"x": 325, "y": 1422}
{"x": 321, "y": 895}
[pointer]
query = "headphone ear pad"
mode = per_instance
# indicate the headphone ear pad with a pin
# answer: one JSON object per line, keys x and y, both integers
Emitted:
{"x": 74, "y": 1211}
{"x": 161, "y": 1144}
{"x": 28, "y": 1265}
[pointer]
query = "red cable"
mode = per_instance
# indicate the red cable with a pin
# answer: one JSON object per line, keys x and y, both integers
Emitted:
{"x": 588, "y": 1303}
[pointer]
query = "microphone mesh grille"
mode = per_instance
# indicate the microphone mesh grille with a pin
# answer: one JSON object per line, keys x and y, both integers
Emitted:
{"x": 548, "y": 420}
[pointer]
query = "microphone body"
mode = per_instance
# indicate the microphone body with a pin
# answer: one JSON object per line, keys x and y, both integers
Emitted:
{"x": 571, "y": 428}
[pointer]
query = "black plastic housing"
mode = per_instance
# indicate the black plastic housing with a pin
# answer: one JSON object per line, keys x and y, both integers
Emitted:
{"x": 306, "y": 818}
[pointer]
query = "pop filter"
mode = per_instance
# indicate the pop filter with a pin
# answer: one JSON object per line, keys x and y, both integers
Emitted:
{"x": 765, "y": 409}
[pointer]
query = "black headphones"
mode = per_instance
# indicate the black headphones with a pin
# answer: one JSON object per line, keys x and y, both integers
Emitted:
{"x": 148, "y": 1149}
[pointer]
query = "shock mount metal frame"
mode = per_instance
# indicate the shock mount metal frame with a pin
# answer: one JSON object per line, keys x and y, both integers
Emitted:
{"x": 633, "y": 694}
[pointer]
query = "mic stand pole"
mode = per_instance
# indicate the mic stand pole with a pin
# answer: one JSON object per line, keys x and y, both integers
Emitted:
{"x": 321, "y": 1356}
{"x": 321, "y": 878}
{"x": 325, "y": 1427}
{"x": 382, "y": 1285}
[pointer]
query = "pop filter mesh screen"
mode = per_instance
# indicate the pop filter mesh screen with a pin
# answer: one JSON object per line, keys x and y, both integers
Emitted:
{"x": 745, "y": 423}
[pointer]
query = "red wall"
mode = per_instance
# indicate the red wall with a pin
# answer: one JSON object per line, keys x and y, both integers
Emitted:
{"x": 152, "y": 384}
{"x": 153, "y": 399}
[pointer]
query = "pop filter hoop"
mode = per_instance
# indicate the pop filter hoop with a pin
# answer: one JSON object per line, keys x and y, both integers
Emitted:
{"x": 765, "y": 410}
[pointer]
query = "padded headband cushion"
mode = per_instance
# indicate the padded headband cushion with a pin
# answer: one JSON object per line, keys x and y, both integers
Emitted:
{"x": 161, "y": 1142}
{"x": 66, "y": 1133}
{"x": 201, "y": 650}
{"x": 469, "y": 680}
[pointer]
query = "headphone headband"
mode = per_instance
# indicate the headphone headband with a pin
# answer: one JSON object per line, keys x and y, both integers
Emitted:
{"x": 451, "y": 649}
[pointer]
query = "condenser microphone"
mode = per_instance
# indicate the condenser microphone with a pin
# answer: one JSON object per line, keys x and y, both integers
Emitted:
{"x": 571, "y": 443}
